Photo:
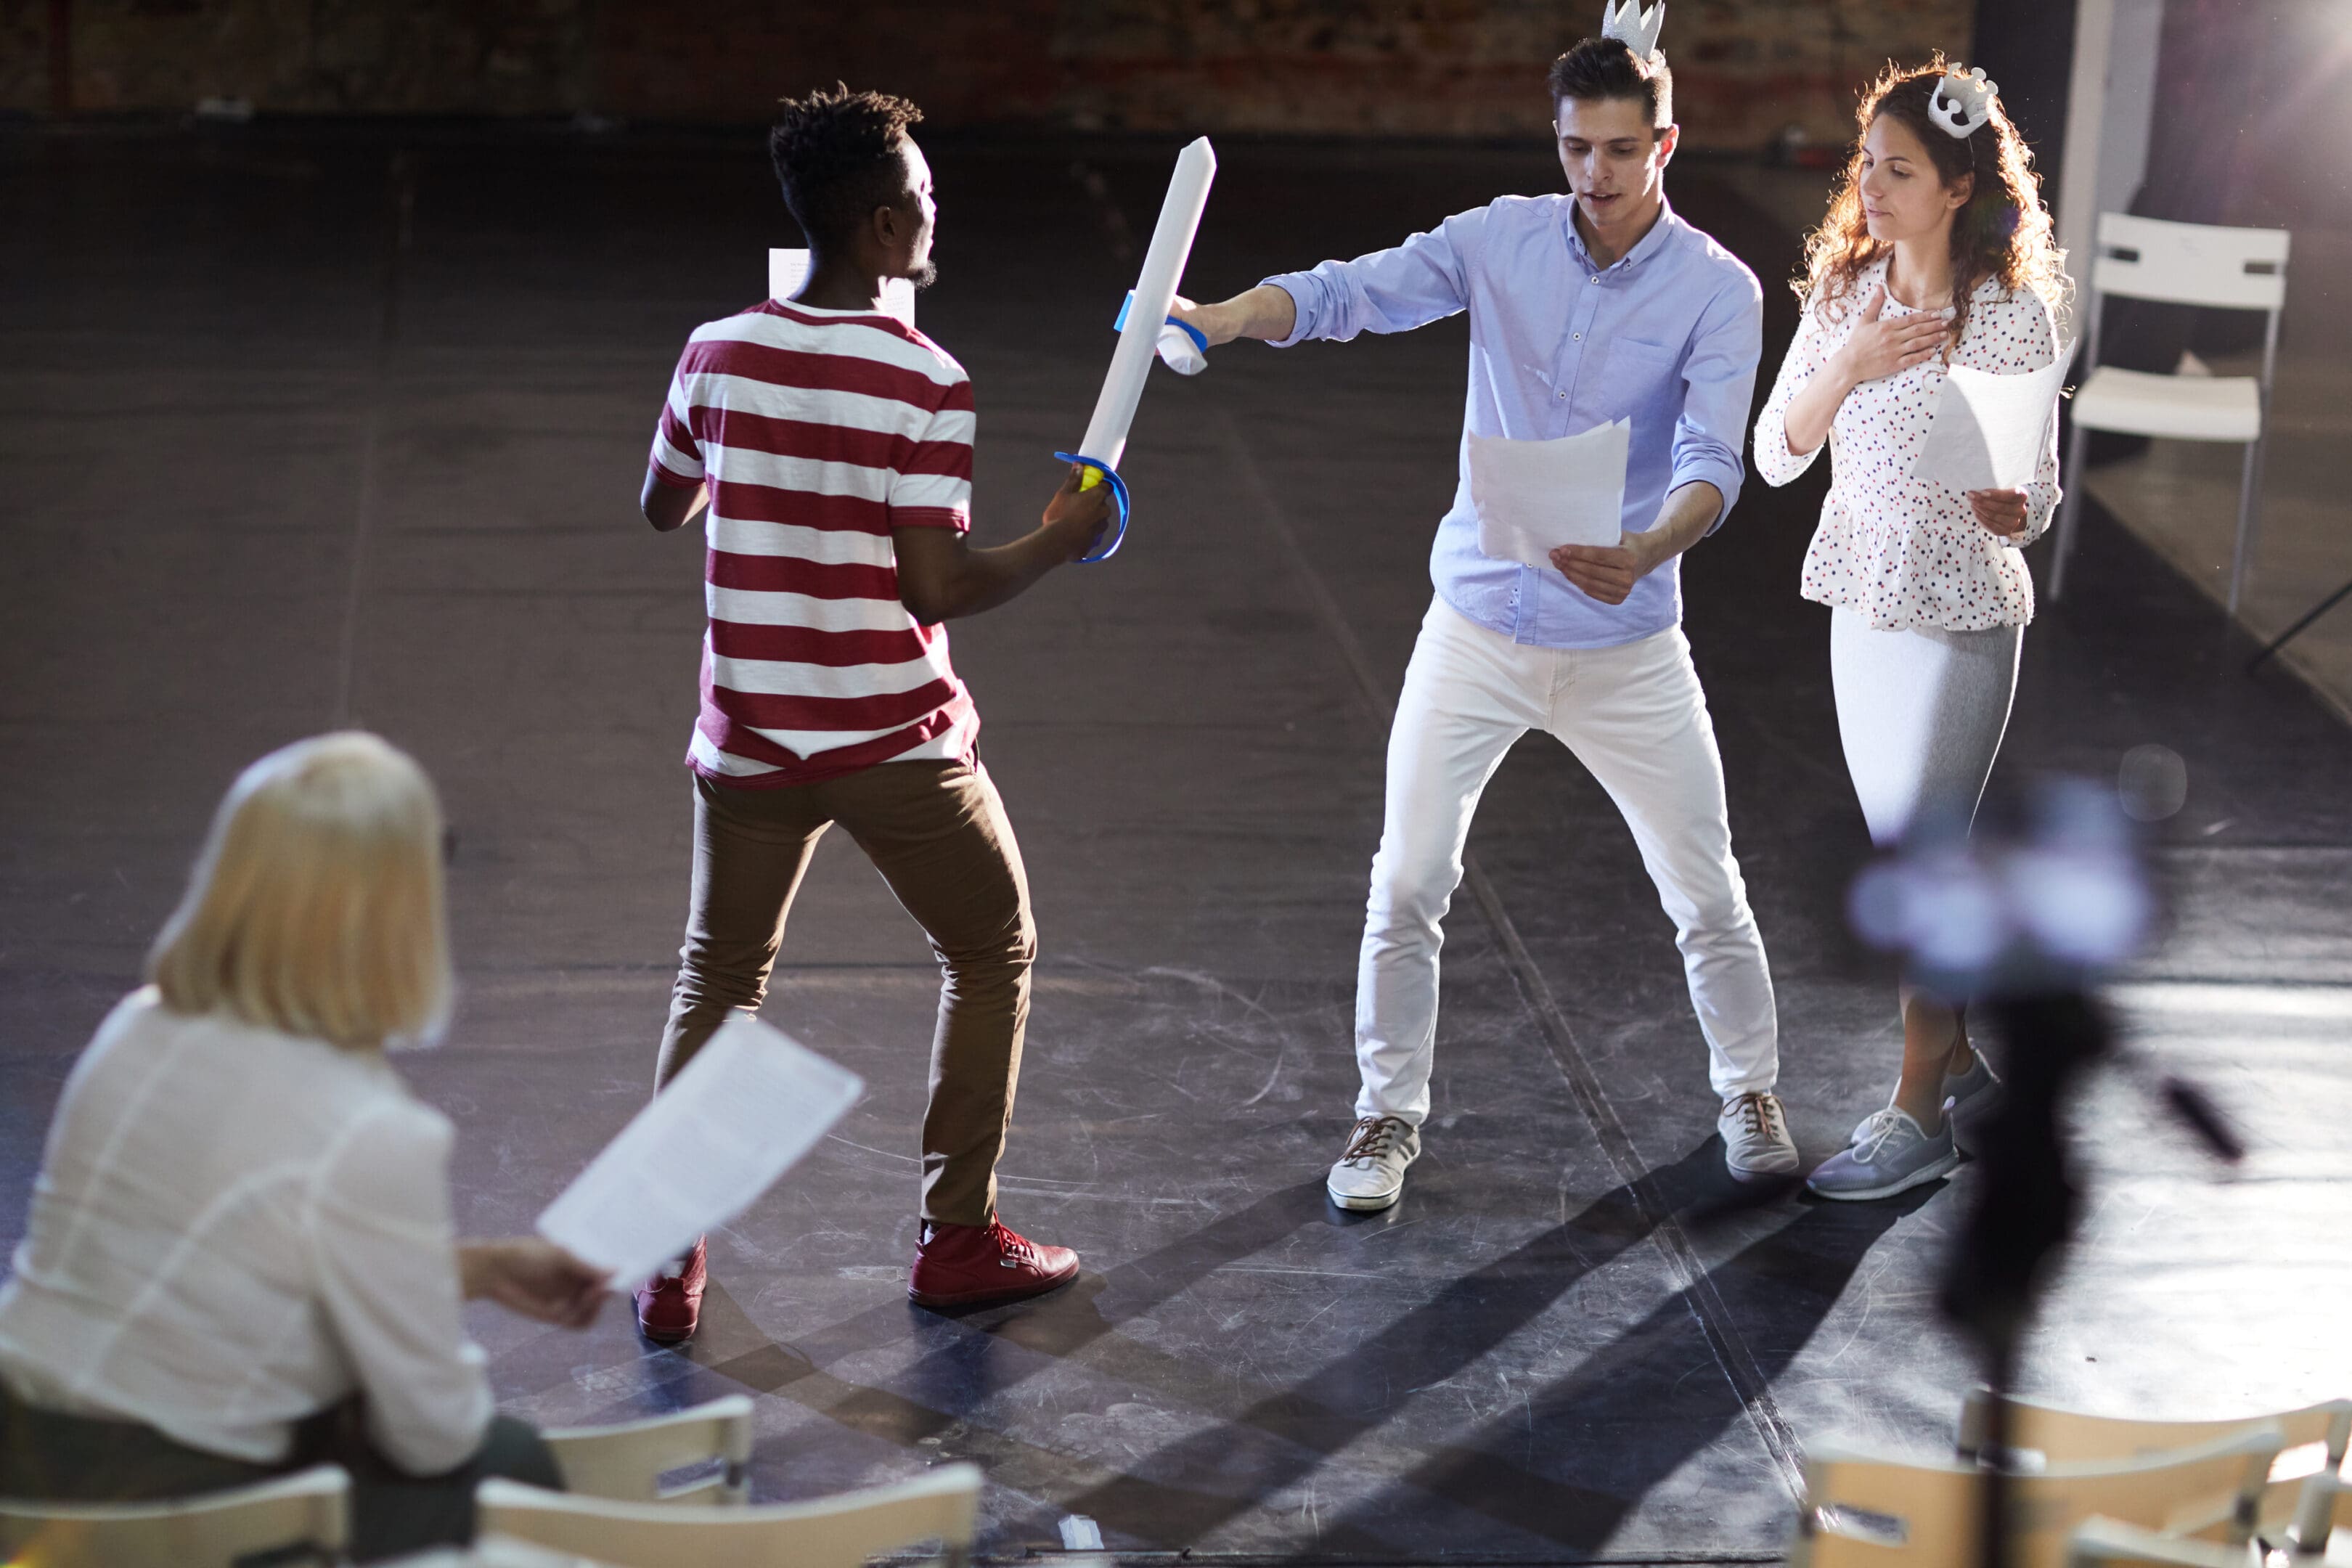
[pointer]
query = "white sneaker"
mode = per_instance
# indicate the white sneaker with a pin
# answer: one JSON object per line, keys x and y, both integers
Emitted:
{"x": 1756, "y": 1139}
{"x": 1371, "y": 1172}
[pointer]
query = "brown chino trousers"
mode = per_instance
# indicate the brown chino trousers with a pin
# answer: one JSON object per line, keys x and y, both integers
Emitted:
{"x": 938, "y": 833}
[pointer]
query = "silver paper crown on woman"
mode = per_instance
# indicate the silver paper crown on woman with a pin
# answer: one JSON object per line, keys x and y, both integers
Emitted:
{"x": 1633, "y": 26}
{"x": 1962, "y": 101}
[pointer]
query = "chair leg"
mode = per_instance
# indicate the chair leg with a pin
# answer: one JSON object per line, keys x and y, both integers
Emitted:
{"x": 2314, "y": 1514}
{"x": 2068, "y": 504}
{"x": 2249, "y": 517}
{"x": 2270, "y": 650}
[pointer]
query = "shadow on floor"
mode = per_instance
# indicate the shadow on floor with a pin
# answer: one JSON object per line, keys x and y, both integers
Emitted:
{"x": 1561, "y": 1469}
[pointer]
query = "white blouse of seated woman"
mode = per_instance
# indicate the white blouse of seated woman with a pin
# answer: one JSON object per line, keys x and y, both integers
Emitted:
{"x": 239, "y": 1258}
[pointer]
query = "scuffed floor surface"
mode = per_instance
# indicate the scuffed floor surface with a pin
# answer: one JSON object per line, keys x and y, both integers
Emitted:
{"x": 316, "y": 426}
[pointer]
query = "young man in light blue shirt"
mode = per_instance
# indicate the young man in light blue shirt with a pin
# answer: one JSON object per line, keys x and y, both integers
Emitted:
{"x": 1584, "y": 308}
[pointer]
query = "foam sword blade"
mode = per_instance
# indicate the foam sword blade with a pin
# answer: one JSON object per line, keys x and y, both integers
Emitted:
{"x": 1155, "y": 291}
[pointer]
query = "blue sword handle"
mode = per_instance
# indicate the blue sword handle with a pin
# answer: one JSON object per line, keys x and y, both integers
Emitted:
{"x": 1099, "y": 472}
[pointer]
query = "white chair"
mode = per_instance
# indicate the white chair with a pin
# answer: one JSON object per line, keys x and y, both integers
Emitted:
{"x": 2298, "y": 1504}
{"x": 830, "y": 1532}
{"x": 2182, "y": 264}
{"x": 625, "y": 1463}
{"x": 300, "y": 1519}
{"x": 1864, "y": 1511}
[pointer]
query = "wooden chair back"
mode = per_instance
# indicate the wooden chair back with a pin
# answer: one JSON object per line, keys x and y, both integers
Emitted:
{"x": 1867, "y": 1511}
{"x": 2061, "y": 1437}
{"x": 2106, "y": 1543}
{"x": 299, "y": 1520}
{"x": 625, "y": 1462}
{"x": 2314, "y": 1440}
{"x": 830, "y": 1532}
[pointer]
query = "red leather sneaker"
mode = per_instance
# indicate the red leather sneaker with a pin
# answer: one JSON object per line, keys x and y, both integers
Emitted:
{"x": 670, "y": 1305}
{"x": 969, "y": 1265}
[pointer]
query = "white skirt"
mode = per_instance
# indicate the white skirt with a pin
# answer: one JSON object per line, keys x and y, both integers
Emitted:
{"x": 1921, "y": 713}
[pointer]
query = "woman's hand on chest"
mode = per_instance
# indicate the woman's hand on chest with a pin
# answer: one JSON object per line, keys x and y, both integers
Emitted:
{"x": 1882, "y": 346}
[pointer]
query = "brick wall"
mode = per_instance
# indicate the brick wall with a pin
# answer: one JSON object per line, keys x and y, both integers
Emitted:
{"x": 1744, "y": 68}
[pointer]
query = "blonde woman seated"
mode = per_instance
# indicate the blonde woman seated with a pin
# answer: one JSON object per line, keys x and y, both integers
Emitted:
{"x": 239, "y": 1258}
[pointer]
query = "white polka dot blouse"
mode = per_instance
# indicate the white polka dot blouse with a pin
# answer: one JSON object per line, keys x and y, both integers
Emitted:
{"x": 1898, "y": 551}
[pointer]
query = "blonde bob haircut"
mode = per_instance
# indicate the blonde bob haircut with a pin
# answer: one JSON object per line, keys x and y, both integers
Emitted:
{"x": 316, "y": 907}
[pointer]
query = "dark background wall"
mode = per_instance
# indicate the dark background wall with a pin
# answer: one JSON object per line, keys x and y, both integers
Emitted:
{"x": 1746, "y": 69}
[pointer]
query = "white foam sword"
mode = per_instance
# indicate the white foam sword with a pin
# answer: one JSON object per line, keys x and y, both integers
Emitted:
{"x": 1142, "y": 325}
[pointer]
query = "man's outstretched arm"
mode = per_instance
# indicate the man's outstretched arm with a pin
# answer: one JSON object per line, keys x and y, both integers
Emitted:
{"x": 941, "y": 577}
{"x": 1267, "y": 312}
{"x": 1425, "y": 279}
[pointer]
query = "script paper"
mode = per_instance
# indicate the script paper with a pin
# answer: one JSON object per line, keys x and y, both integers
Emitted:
{"x": 1988, "y": 432}
{"x": 788, "y": 269}
{"x": 743, "y": 1111}
{"x": 1534, "y": 496}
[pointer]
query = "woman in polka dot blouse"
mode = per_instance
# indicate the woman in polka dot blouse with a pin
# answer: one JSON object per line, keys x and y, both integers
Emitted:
{"x": 1937, "y": 251}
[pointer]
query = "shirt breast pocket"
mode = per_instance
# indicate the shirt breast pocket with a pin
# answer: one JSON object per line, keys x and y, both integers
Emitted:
{"x": 1635, "y": 377}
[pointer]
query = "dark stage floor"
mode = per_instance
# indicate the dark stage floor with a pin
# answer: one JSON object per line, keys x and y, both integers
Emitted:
{"x": 314, "y": 427}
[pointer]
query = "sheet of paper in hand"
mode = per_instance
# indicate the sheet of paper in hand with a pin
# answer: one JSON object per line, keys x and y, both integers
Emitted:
{"x": 1534, "y": 496}
{"x": 788, "y": 269}
{"x": 744, "y": 1110}
{"x": 1987, "y": 431}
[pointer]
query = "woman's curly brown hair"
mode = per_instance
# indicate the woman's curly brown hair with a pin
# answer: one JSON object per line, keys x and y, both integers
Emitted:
{"x": 2004, "y": 231}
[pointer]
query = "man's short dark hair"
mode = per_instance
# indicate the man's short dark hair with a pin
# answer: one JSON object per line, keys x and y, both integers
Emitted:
{"x": 1606, "y": 68}
{"x": 837, "y": 157}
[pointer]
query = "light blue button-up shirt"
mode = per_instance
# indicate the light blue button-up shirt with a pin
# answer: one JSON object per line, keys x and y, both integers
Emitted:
{"x": 1668, "y": 336}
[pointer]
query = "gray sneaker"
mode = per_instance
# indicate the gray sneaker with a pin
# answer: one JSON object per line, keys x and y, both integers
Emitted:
{"x": 1891, "y": 1155}
{"x": 1756, "y": 1137}
{"x": 1973, "y": 1092}
{"x": 1370, "y": 1173}
{"x": 1970, "y": 1094}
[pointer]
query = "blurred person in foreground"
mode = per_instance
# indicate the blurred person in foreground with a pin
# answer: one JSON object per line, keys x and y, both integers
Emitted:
{"x": 239, "y": 1260}
{"x": 827, "y": 446}
{"x": 1937, "y": 251}
{"x": 1585, "y": 308}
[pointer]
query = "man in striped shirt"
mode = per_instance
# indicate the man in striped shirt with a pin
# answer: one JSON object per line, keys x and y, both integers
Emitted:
{"x": 831, "y": 446}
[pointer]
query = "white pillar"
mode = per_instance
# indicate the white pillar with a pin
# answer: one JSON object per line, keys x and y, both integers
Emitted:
{"x": 2131, "y": 100}
{"x": 2110, "y": 105}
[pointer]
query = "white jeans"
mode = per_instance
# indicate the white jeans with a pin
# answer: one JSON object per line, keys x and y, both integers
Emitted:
{"x": 1636, "y": 717}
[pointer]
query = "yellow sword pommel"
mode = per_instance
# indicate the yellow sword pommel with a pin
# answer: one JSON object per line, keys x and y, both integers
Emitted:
{"x": 1093, "y": 475}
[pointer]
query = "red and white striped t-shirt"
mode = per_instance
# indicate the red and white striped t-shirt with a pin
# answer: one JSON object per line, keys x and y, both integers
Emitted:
{"x": 818, "y": 431}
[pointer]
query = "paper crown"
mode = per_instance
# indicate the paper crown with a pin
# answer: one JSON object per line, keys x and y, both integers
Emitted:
{"x": 1634, "y": 26}
{"x": 1962, "y": 101}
